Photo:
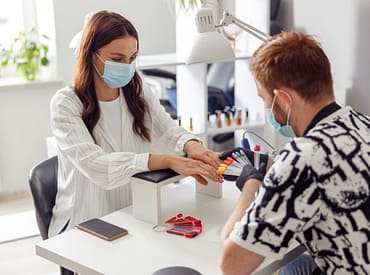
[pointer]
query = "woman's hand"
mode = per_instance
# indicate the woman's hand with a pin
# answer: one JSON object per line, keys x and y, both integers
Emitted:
{"x": 185, "y": 166}
{"x": 195, "y": 150}
{"x": 195, "y": 168}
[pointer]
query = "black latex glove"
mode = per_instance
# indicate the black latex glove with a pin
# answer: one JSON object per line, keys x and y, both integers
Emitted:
{"x": 250, "y": 156}
{"x": 249, "y": 172}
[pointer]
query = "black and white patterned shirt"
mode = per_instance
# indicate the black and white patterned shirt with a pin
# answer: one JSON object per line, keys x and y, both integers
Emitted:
{"x": 317, "y": 192}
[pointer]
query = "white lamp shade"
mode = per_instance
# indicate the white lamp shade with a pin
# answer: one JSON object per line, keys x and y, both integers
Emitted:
{"x": 209, "y": 46}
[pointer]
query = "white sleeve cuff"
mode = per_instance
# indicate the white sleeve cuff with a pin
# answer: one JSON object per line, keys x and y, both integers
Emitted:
{"x": 183, "y": 140}
{"x": 141, "y": 162}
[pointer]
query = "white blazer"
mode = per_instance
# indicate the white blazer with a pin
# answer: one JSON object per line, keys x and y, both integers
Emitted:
{"x": 94, "y": 178}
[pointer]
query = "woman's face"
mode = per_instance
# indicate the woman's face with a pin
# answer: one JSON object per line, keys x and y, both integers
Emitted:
{"x": 123, "y": 50}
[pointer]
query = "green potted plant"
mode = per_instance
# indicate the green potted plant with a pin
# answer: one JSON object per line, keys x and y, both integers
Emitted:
{"x": 26, "y": 53}
{"x": 190, "y": 3}
{"x": 183, "y": 6}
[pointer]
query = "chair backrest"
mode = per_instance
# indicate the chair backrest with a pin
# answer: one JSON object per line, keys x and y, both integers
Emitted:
{"x": 219, "y": 75}
{"x": 43, "y": 181}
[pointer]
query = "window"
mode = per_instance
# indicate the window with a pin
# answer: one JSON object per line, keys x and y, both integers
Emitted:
{"x": 10, "y": 21}
{"x": 23, "y": 15}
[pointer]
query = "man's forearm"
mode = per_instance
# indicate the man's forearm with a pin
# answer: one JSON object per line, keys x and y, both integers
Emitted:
{"x": 246, "y": 198}
{"x": 235, "y": 259}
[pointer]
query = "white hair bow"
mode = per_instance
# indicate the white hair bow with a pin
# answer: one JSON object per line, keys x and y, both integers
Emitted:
{"x": 76, "y": 40}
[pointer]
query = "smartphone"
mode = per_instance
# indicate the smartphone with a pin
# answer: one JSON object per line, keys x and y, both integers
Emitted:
{"x": 102, "y": 229}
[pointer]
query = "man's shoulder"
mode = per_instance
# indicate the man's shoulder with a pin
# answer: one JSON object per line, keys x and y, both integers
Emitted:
{"x": 344, "y": 119}
{"x": 300, "y": 155}
{"x": 328, "y": 144}
{"x": 344, "y": 126}
{"x": 300, "y": 146}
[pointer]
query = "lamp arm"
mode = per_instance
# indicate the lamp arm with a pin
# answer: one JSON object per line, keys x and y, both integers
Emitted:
{"x": 228, "y": 18}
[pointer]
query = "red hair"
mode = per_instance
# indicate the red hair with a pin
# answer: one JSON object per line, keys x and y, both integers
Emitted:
{"x": 293, "y": 60}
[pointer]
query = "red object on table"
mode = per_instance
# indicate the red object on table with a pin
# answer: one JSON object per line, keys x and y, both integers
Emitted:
{"x": 184, "y": 226}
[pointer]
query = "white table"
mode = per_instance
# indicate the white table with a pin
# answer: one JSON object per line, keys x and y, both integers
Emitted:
{"x": 144, "y": 250}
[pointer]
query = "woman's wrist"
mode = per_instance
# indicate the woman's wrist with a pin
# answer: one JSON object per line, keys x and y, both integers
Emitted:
{"x": 157, "y": 162}
{"x": 190, "y": 144}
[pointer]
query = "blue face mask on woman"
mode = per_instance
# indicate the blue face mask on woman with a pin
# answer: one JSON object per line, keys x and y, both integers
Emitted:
{"x": 116, "y": 74}
{"x": 285, "y": 130}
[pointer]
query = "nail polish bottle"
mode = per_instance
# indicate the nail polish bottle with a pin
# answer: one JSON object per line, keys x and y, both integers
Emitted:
{"x": 238, "y": 119}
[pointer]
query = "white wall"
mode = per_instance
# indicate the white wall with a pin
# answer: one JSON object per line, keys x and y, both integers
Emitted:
{"x": 152, "y": 19}
{"x": 24, "y": 109}
{"x": 342, "y": 28}
{"x": 24, "y": 120}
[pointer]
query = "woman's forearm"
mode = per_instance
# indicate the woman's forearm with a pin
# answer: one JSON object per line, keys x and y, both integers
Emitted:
{"x": 157, "y": 162}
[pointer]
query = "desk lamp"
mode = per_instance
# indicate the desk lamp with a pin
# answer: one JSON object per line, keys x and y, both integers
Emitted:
{"x": 209, "y": 44}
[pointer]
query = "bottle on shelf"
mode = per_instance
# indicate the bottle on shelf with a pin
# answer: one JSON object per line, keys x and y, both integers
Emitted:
{"x": 179, "y": 120}
{"x": 238, "y": 119}
{"x": 233, "y": 113}
{"x": 218, "y": 118}
{"x": 212, "y": 120}
{"x": 209, "y": 122}
{"x": 228, "y": 119}
{"x": 246, "y": 116}
{"x": 191, "y": 124}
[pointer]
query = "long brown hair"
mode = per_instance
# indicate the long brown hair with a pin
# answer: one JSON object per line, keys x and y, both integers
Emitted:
{"x": 103, "y": 28}
{"x": 295, "y": 60}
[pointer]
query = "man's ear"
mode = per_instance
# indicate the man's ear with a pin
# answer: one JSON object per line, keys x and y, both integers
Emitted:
{"x": 284, "y": 96}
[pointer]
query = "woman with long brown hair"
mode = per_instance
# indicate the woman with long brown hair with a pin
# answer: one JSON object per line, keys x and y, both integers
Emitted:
{"x": 107, "y": 126}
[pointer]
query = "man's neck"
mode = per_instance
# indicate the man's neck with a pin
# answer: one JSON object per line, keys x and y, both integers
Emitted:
{"x": 307, "y": 112}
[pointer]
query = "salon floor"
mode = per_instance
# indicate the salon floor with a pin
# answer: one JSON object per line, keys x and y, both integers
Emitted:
{"x": 18, "y": 257}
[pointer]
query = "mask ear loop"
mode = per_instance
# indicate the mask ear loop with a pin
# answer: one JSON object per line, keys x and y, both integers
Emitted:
{"x": 273, "y": 103}
{"x": 101, "y": 59}
{"x": 96, "y": 69}
{"x": 290, "y": 108}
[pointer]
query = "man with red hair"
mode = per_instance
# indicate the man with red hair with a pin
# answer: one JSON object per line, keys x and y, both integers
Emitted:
{"x": 317, "y": 189}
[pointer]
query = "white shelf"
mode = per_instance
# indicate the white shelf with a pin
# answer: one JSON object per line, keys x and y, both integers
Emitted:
{"x": 232, "y": 128}
{"x": 227, "y": 129}
{"x": 158, "y": 60}
{"x": 171, "y": 59}
{"x": 191, "y": 79}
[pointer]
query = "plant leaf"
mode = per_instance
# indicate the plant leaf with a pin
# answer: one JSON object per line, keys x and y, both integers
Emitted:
{"x": 45, "y": 61}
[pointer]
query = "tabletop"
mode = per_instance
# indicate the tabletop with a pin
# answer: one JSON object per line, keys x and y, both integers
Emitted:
{"x": 145, "y": 250}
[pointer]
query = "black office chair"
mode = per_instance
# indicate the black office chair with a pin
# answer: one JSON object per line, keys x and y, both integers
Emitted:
{"x": 43, "y": 180}
{"x": 43, "y": 183}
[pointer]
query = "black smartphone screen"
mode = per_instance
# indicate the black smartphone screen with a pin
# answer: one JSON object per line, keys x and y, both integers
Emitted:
{"x": 102, "y": 229}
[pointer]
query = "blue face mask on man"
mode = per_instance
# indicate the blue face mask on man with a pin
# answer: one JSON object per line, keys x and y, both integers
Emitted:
{"x": 285, "y": 130}
{"x": 116, "y": 74}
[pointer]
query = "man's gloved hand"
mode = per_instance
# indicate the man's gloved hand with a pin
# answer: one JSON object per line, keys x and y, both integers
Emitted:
{"x": 249, "y": 154}
{"x": 249, "y": 172}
